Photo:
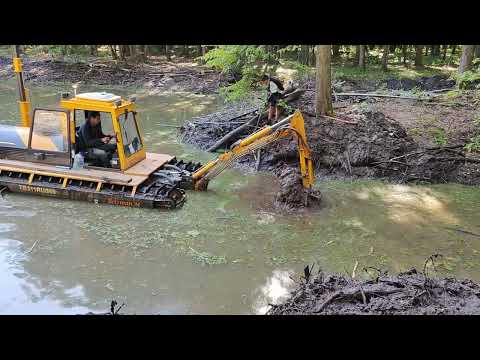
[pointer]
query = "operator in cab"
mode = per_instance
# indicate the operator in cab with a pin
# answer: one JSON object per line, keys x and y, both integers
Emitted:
{"x": 94, "y": 143}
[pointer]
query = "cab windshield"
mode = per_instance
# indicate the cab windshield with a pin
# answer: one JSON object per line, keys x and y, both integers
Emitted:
{"x": 130, "y": 135}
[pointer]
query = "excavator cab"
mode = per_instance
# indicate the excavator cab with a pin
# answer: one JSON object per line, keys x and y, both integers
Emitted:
{"x": 119, "y": 116}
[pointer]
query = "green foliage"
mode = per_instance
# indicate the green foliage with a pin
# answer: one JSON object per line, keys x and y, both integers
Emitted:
{"x": 301, "y": 71}
{"x": 468, "y": 79}
{"x": 453, "y": 94}
{"x": 205, "y": 258}
{"x": 237, "y": 91}
{"x": 439, "y": 136}
{"x": 245, "y": 61}
{"x": 473, "y": 145}
{"x": 375, "y": 72}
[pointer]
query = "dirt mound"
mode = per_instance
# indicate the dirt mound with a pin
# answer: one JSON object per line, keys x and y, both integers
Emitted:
{"x": 435, "y": 82}
{"x": 343, "y": 85}
{"x": 292, "y": 194}
{"x": 409, "y": 293}
{"x": 154, "y": 74}
{"x": 204, "y": 131}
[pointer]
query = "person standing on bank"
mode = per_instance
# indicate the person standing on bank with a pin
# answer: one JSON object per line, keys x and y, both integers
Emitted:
{"x": 274, "y": 89}
{"x": 94, "y": 142}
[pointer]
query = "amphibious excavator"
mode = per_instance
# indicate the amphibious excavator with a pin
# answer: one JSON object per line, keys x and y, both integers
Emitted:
{"x": 38, "y": 157}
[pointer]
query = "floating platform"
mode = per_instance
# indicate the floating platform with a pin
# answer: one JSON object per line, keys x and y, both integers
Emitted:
{"x": 139, "y": 186}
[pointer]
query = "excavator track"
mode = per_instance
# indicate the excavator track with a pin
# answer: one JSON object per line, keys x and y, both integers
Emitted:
{"x": 163, "y": 189}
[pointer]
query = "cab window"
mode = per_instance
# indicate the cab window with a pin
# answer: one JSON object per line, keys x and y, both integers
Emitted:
{"x": 130, "y": 134}
{"x": 50, "y": 131}
{"x": 105, "y": 118}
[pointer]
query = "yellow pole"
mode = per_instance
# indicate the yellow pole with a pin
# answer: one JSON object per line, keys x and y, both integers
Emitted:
{"x": 23, "y": 102}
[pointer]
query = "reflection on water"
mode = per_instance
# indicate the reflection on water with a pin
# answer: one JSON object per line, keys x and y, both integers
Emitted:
{"x": 276, "y": 290}
{"x": 411, "y": 205}
{"x": 72, "y": 257}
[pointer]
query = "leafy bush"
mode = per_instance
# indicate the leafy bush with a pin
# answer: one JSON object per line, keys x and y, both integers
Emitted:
{"x": 439, "y": 136}
{"x": 473, "y": 145}
{"x": 244, "y": 61}
{"x": 469, "y": 79}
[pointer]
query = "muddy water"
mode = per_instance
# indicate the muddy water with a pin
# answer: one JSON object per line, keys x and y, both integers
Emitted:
{"x": 225, "y": 251}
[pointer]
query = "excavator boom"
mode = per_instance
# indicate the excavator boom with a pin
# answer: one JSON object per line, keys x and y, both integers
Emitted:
{"x": 291, "y": 125}
{"x": 23, "y": 101}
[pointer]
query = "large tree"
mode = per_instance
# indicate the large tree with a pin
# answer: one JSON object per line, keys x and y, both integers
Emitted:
{"x": 418, "y": 56}
{"x": 361, "y": 58}
{"x": 386, "y": 51}
{"x": 467, "y": 58}
{"x": 323, "y": 99}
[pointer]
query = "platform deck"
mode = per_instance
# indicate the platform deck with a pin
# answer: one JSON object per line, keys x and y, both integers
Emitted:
{"x": 149, "y": 165}
{"x": 108, "y": 177}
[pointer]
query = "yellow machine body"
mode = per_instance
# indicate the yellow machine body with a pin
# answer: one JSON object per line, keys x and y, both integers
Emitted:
{"x": 292, "y": 125}
{"x": 24, "y": 98}
{"x": 116, "y": 108}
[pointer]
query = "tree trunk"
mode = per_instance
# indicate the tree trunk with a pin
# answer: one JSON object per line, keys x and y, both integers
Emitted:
{"x": 477, "y": 51}
{"x": 418, "y": 56}
{"x": 323, "y": 83}
{"x": 113, "y": 52}
{"x": 336, "y": 52}
{"x": 361, "y": 58}
{"x": 18, "y": 50}
{"x": 167, "y": 52}
{"x": 386, "y": 51}
{"x": 305, "y": 53}
{"x": 357, "y": 54}
{"x": 467, "y": 58}
{"x": 404, "y": 54}
{"x": 312, "y": 56}
{"x": 454, "y": 47}
{"x": 444, "y": 57}
{"x": 123, "y": 50}
{"x": 133, "y": 51}
{"x": 93, "y": 50}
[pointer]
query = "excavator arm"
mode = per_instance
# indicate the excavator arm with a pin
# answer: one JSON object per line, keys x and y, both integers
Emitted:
{"x": 291, "y": 125}
{"x": 24, "y": 101}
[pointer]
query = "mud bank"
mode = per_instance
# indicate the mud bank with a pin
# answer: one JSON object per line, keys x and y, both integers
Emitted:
{"x": 409, "y": 293}
{"x": 391, "y": 139}
{"x": 370, "y": 145}
{"x": 155, "y": 74}
{"x": 436, "y": 82}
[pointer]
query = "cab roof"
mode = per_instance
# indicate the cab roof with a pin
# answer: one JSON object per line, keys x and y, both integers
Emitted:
{"x": 99, "y": 96}
{"x": 100, "y": 101}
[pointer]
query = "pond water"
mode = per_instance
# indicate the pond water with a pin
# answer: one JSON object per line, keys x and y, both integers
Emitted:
{"x": 225, "y": 251}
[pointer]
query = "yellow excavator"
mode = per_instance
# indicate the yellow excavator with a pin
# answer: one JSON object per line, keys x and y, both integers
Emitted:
{"x": 39, "y": 156}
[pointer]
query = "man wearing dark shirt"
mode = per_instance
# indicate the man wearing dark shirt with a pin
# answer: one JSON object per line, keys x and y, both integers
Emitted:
{"x": 94, "y": 142}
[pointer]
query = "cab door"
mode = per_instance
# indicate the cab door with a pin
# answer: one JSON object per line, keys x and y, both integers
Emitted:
{"x": 50, "y": 137}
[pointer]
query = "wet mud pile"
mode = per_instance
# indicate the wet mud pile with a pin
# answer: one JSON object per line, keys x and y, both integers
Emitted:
{"x": 292, "y": 194}
{"x": 378, "y": 147}
{"x": 357, "y": 144}
{"x": 432, "y": 83}
{"x": 409, "y": 293}
{"x": 154, "y": 74}
{"x": 204, "y": 131}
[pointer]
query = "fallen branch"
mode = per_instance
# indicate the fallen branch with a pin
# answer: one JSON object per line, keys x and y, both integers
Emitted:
{"x": 358, "y": 294}
{"x": 259, "y": 159}
{"x": 337, "y": 119}
{"x": 232, "y": 134}
{"x": 354, "y": 269}
{"x": 383, "y": 95}
{"x": 29, "y": 251}
{"x": 462, "y": 231}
